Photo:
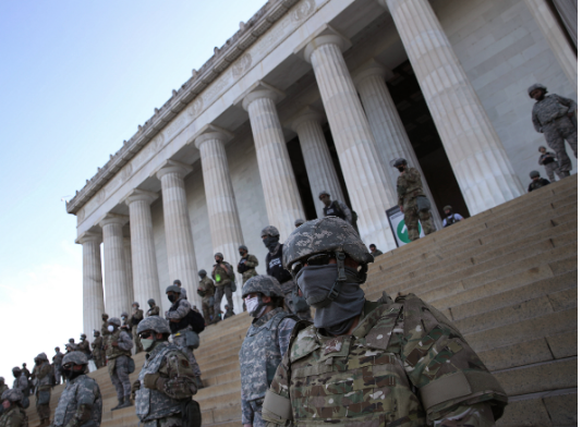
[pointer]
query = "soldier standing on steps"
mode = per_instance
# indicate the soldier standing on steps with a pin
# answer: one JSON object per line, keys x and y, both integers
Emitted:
{"x": 247, "y": 263}
{"x": 57, "y": 359}
{"x": 265, "y": 344}
{"x": 154, "y": 309}
{"x": 206, "y": 290}
{"x": 223, "y": 276}
{"x": 42, "y": 374}
{"x": 536, "y": 181}
{"x": 118, "y": 347}
{"x": 371, "y": 363}
{"x": 136, "y": 317}
{"x": 97, "y": 352}
{"x": 105, "y": 326}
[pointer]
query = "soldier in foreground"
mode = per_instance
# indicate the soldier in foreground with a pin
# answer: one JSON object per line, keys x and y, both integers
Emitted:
{"x": 371, "y": 363}
{"x": 412, "y": 200}
{"x": 57, "y": 359}
{"x": 247, "y": 264}
{"x": 154, "y": 309}
{"x": 136, "y": 317}
{"x": 265, "y": 344}
{"x": 206, "y": 290}
{"x": 97, "y": 352}
{"x": 13, "y": 415}
{"x": 80, "y": 403}
{"x": 166, "y": 382}
{"x": 42, "y": 374}
{"x": 118, "y": 347}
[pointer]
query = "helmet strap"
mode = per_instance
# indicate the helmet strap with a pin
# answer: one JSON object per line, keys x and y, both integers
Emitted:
{"x": 341, "y": 278}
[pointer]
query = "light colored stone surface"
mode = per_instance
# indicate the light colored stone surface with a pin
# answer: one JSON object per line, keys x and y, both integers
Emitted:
{"x": 117, "y": 295}
{"x": 146, "y": 283}
{"x": 180, "y": 246}
{"x": 479, "y": 161}
{"x": 366, "y": 180}
{"x": 93, "y": 305}
{"x": 128, "y": 267}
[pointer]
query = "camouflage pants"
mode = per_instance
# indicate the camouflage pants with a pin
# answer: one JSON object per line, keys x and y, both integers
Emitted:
{"x": 207, "y": 309}
{"x": 136, "y": 340}
{"x": 58, "y": 374}
{"x": 44, "y": 410}
{"x": 220, "y": 291}
{"x": 552, "y": 168}
{"x": 411, "y": 217}
{"x": 290, "y": 289}
{"x": 98, "y": 358}
{"x": 181, "y": 342}
{"x": 555, "y": 133}
{"x": 254, "y": 413}
{"x": 119, "y": 374}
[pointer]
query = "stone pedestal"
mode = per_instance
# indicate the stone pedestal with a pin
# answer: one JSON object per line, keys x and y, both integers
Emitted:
{"x": 93, "y": 305}
{"x": 366, "y": 180}
{"x": 318, "y": 163}
{"x": 225, "y": 228}
{"x": 277, "y": 177}
{"x": 146, "y": 283}
{"x": 179, "y": 242}
{"x": 479, "y": 161}
{"x": 117, "y": 295}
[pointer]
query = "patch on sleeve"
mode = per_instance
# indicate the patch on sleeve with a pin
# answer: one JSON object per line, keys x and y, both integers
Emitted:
{"x": 185, "y": 363}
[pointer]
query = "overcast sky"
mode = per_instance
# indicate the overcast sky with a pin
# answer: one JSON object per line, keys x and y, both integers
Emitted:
{"x": 77, "y": 77}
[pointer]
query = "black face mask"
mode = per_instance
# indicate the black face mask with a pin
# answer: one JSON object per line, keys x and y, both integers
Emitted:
{"x": 16, "y": 374}
{"x": 271, "y": 242}
{"x": 242, "y": 253}
{"x": 401, "y": 168}
{"x": 172, "y": 298}
{"x": 71, "y": 374}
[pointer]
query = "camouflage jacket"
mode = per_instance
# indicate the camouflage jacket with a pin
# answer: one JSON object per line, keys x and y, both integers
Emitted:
{"x": 173, "y": 387}
{"x": 263, "y": 348}
{"x": 206, "y": 286}
{"x": 83, "y": 346}
{"x": 97, "y": 345}
{"x": 182, "y": 308}
{"x": 15, "y": 416}
{"x": 246, "y": 267}
{"x": 404, "y": 364}
{"x": 550, "y": 108}
{"x": 42, "y": 375}
{"x": 80, "y": 404}
{"x": 104, "y": 330}
{"x": 58, "y": 358}
{"x": 124, "y": 344}
{"x": 409, "y": 184}
{"x": 136, "y": 317}
{"x": 222, "y": 273}
{"x": 22, "y": 383}
{"x": 154, "y": 311}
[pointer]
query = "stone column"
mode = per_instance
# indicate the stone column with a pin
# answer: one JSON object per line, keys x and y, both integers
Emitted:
{"x": 116, "y": 287}
{"x": 555, "y": 37}
{"x": 320, "y": 169}
{"x": 225, "y": 228}
{"x": 93, "y": 305}
{"x": 387, "y": 127}
{"x": 179, "y": 241}
{"x": 277, "y": 177}
{"x": 146, "y": 283}
{"x": 366, "y": 179}
{"x": 128, "y": 266}
{"x": 477, "y": 156}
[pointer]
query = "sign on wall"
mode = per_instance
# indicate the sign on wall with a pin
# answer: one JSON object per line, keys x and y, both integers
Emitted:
{"x": 399, "y": 230}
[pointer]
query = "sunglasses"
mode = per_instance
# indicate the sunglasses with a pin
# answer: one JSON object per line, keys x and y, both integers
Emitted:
{"x": 314, "y": 260}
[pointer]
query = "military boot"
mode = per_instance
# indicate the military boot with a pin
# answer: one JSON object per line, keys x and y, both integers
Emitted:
{"x": 119, "y": 403}
{"x": 198, "y": 382}
{"x": 126, "y": 403}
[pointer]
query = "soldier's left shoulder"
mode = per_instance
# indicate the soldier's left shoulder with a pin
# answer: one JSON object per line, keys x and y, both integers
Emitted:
{"x": 177, "y": 359}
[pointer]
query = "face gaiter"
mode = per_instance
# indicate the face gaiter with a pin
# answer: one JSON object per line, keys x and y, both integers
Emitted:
{"x": 271, "y": 242}
{"x": 337, "y": 317}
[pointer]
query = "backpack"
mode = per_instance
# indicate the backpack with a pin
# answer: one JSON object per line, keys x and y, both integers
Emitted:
{"x": 196, "y": 321}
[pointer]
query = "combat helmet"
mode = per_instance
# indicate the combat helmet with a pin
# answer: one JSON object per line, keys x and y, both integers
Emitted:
{"x": 219, "y": 255}
{"x": 536, "y": 86}
{"x": 323, "y": 193}
{"x": 105, "y": 316}
{"x": 151, "y": 301}
{"x": 243, "y": 247}
{"x": 83, "y": 336}
{"x": 12, "y": 395}
{"x": 266, "y": 285}
{"x": 2, "y": 380}
{"x": 174, "y": 288}
{"x": 135, "y": 303}
{"x": 96, "y": 333}
{"x": 177, "y": 282}
{"x": 76, "y": 358}
{"x": 124, "y": 314}
{"x": 269, "y": 230}
{"x": 202, "y": 273}
{"x": 41, "y": 356}
{"x": 299, "y": 222}
{"x": 398, "y": 162}
{"x": 447, "y": 208}
{"x": 154, "y": 323}
{"x": 114, "y": 321}
{"x": 534, "y": 174}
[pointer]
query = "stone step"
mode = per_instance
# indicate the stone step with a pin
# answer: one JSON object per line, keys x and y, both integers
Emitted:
{"x": 545, "y": 409}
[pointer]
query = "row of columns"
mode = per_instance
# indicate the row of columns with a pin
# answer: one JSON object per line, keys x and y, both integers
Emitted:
{"x": 367, "y": 133}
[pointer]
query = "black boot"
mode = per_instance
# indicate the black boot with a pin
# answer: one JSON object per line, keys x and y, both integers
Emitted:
{"x": 126, "y": 402}
{"x": 119, "y": 403}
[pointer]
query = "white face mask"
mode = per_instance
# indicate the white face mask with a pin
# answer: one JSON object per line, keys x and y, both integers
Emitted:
{"x": 252, "y": 304}
{"x": 111, "y": 328}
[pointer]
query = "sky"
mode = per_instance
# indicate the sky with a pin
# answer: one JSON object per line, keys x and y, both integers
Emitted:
{"x": 76, "y": 78}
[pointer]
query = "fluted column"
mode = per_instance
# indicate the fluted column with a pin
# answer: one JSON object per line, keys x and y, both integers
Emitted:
{"x": 366, "y": 179}
{"x": 479, "y": 160}
{"x": 318, "y": 163}
{"x": 128, "y": 266}
{"x": 277, "y": 177}
{"x": 225, "y": 228}
{"x": 146, "y": 283}
{"x": 386, "y": 125}
{"x": 555, "y": 37}
{"x": 179, "y": 242}
{"x": 117, "y": 295}
{"x": 93, "y": 305}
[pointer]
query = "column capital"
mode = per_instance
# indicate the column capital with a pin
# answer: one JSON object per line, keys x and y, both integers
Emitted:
{"x": 371, "y": 68}
{"x": 324, "y": 35}
{"x": 111, "y": 218}
{"x": 137, "y": 195}
{"x": 259, "y": 90}
{"x": 89, "y": 236}
{"x": 306, "y": 114}
{"x": 172, "y": 166}
{"x": 211, "y": 131}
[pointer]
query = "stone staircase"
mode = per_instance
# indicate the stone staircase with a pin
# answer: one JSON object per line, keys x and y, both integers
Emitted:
{"x": 507, "y": 277}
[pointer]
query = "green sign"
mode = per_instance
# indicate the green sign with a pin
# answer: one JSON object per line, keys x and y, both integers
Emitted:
{"x": 402, "y": 231}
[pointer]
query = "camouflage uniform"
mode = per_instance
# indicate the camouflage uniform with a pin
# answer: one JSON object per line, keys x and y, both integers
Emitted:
{"x": 118, "y": 360}
{"x": 206, "y": 290}
{"x": 223, "y": 285}
{"x": 136, "y": 317}
{"x": 21, "y": 383}
{"x": 246, "y": 267}
{"x": 154, "y": 309}
{"x": 409, "y": 187}
{"x": 549, "y": 116}
{"x": 57, "y": 359}
{"x": 178, "y": 311}
{"x": 42, "y": 374}
{"x": 404, "y": 364}
{"x": 104, "y": 330}
{"x": 98, "y": 354}
{"x": 548, "y": 161}
{"x": 83, "y": 346}
{"x": 15, "y": 415}
{"x": 265, "y": 344}
{"x": 3, "y": 388}
{"x": 376, "y": 253}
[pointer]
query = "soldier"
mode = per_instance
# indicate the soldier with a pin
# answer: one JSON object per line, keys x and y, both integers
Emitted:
{"x": 335, "y": 208}
{"x": 300, "y": 222}
{"x": 118, "y": 347}
{"x": 136, "y": 317}
{"x": 247, "y": 264}
{"x": 536, "y": 181}
{"x": 553, "y": 116}
{"x": 21, "y": 383}
{"x": 84, "y": 346}
{"x": 154, "y": 309}
{"x": 223, "y": 276}
{"x": 26, "y": 372}
{"x": 412, "y": 200}
{"x": 72, "y": 345}
{"x": 125, "y": 324}
{"x": 57, "y": 359}
{"x": 181, "y": 328}
{"x": 3, "y": 388}
{"x": 450, "y": 217}
{"x": 548, "y": 160}
{"x": 166, "y": 382}
{"x": 105, "y": 325}
{"x": 13, "y": 415}
{"x": 371, "y": 363}
{"x": 265, "y": 344}
{"x": 80, "y": 403}
{"x": 206, "y": 290}
{"x": 375, "y": 251}
{"x": 294, "y": 302}
{"x": 97, "y": 352}
{"x": 42, "y": 374}
{"x": 228, "y": 312}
